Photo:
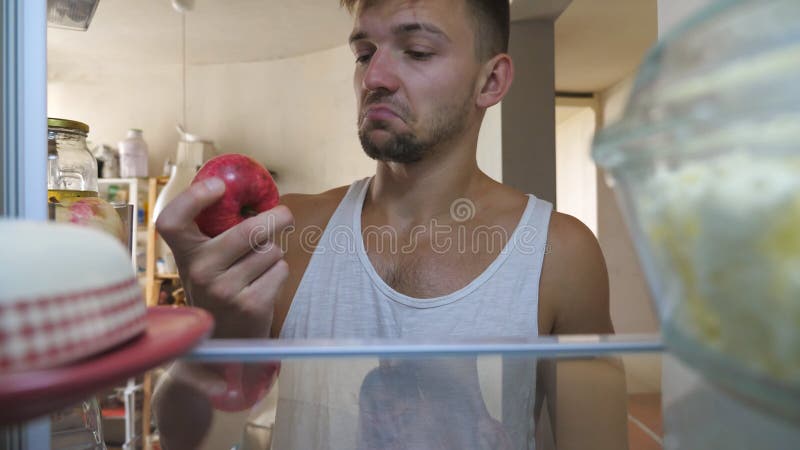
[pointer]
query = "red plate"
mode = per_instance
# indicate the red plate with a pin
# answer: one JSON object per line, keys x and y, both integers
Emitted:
{"x": 171, "y": 332}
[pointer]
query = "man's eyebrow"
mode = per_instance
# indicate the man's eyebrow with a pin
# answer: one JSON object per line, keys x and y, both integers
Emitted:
{"x": 404, "y": 28}
{"x": 408, "y": 28}
{"x": 357, "y": 36}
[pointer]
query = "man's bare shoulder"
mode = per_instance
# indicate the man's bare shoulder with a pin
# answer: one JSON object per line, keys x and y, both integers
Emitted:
{"x": 314, "y": 209}
{"x": 566, "y": 228}
{"x": 574, "y": 282}
{"x": 311, "y": 214}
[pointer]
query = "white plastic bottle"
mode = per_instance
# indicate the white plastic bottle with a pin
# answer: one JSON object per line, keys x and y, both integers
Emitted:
{"x": 181, "y": 176}
{"x": 133, "y": 155}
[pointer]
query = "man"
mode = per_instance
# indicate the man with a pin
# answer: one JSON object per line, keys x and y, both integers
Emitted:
{"x": 425, "y": 73}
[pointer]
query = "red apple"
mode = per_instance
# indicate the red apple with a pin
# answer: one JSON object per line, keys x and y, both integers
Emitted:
{"x": 246, "y": 384}
{"x": 249, "y": 190}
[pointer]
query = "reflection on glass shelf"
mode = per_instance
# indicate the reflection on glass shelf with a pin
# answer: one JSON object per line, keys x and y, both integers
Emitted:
{"x": 389, "y": 394}
{"x": 550, "y": 393}
{"x": 576, "y": 392}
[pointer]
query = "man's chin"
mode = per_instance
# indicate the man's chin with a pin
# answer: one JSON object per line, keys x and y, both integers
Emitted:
{"x": 384, "y": 145}
{"x": 391, "y": 154}
{"x": 379, "y": 137}
{"x": 397, "y": 159}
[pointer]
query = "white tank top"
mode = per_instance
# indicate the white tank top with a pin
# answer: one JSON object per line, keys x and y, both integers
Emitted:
{"x": 458, "y": 403}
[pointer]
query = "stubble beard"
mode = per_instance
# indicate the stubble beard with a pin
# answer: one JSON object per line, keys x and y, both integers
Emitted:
{"x": 408, "y": 147}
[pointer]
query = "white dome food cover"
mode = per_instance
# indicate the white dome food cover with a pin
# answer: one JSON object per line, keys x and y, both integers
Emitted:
{"x": 66, "y": 293}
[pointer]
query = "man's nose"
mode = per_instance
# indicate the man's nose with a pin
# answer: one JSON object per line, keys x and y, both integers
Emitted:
{"x": 381, "y": 73}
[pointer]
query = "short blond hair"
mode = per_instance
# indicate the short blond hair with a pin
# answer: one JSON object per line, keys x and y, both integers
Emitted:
{"x": 492, "y": 24}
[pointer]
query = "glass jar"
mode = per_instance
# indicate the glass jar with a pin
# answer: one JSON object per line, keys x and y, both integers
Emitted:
{"x": 71, "y": 168}
{"x": 78, "y": 427}
{"x": 706, "y": 165}
{"x": 72, "y": 174}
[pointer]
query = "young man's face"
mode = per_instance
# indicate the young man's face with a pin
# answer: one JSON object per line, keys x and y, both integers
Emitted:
{"x": 415, "y": 75}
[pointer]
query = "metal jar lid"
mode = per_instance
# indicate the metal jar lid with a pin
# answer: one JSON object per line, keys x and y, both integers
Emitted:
{"x": 67, "y": 124}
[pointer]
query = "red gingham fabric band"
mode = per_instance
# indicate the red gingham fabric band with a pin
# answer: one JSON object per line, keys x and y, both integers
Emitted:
{"x": 48, "y": 331}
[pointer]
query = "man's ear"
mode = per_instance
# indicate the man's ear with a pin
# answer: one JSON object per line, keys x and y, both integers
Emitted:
{"x": 495, "y": 80}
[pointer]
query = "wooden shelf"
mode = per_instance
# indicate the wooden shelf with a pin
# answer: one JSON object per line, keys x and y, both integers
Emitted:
{"x": 151, "y": 297}
{"x": 167, "y": 276}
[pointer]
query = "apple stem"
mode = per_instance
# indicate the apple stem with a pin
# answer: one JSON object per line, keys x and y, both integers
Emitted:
{"x": 247, "y": 211}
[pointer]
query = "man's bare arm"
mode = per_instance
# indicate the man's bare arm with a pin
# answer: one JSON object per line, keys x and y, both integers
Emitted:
{"x": 586, "y": 398}
{"x": 574, "y": 283}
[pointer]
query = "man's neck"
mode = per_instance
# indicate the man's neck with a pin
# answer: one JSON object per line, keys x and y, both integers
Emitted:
{"x": 410, "y": 194}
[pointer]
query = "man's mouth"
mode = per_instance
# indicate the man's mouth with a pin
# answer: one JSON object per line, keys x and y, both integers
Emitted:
{"x": 380, "y": 113}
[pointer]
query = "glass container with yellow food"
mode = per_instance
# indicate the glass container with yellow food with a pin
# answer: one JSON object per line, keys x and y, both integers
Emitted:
{"x": 71, "y": 168}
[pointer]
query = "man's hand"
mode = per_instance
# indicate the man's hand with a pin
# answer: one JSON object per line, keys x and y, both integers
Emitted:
{"x": 237, "y": 275}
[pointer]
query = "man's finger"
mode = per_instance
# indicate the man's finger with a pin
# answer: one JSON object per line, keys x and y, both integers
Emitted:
{"x": 252, "y": 265}
{"x": 266, "y": 286}
{"x": 178, "y": 216}
{"x": 255, "y": 234}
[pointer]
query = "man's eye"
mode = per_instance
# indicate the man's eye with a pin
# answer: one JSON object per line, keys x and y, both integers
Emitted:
{"x": 418, "y": 55}
{"x": 361, "y": 59}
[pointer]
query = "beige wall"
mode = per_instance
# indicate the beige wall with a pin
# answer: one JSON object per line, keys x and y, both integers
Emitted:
{"x": 113, "y": 98}
{"x": 576, "y": 175}
{"x": 631, "y": 304}
{"x": 296, "y": 115}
